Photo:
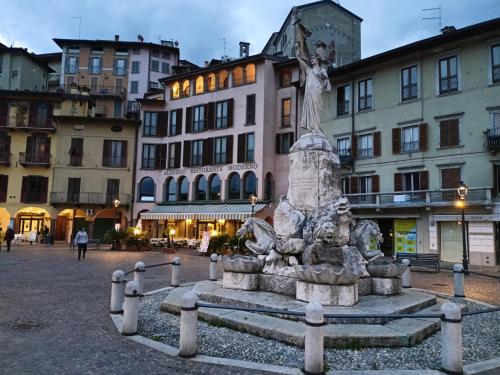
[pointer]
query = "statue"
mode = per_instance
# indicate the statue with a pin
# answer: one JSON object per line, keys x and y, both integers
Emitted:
{"x": 313, "y": 77}
{"x": 363, "y": 233}
{"x": 264, "y": 234}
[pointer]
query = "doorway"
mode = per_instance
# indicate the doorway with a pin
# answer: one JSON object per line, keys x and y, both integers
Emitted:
{"x": 451, "y": 242}
{"x": 61, "y": 228}
{"x": 30, "y": 222}
{"x": 387, "y": 229}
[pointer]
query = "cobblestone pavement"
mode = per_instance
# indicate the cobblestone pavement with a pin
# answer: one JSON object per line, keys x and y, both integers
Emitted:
{"x": 54, "y": 311}
{"x": 54, "y": 314}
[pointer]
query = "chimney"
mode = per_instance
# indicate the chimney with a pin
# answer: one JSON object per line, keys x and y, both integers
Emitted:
{"x": 448, "y": 29}
{"x": 244, "y": 49}
{"x": 206, "y": 63}
{"x": 117, "y": 38}
{"x": 140, "y": 38}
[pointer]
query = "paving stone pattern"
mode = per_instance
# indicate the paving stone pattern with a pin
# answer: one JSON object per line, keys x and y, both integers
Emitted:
{"x": 54, "y": 314}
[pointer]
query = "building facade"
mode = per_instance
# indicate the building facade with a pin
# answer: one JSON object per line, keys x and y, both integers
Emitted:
{"x": 409, "y": 125}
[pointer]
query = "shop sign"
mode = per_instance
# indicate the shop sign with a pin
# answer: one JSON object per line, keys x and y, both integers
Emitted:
{"x": 405, "y": 236}
{"x": 211, "y": 169}
{"x": 205, "y": 240}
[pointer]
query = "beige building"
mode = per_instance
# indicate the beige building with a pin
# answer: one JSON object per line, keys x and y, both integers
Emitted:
{"x": 410, "y": 124}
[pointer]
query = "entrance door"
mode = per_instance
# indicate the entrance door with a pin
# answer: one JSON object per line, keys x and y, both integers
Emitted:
{"x": 387, "y": 229}
{"x": 451, "y": 242}
{"x": 28, "y": 223}
{"x": 61, "y": 227}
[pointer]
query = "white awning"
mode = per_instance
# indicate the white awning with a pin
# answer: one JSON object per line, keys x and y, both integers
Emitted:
{"x": 226, "y": 211}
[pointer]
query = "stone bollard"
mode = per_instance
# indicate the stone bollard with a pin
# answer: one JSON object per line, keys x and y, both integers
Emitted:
{"x": 176, "y": 272}
{"x": 458, "y": 278}
{"x": 313, "y": 346}
{"x": 130, "y": 309}
{"x": 189, "y": 325}
{"x": 451, "y": 338}
{"x": 213, "y": 267}
{"x": 139, "y": 270}
{"x": 117, "y": 292}
{"x": 406, "y": 276}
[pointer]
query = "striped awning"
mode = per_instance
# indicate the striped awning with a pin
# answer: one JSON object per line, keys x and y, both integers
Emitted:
{"x": 226, "y": 211}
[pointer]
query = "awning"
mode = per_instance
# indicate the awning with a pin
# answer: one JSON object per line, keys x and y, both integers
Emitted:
{"x": 226, "y": 211}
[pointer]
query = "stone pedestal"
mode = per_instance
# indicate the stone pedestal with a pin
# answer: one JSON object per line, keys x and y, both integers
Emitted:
{"x": 386, "y": 286}
{"x": 243, "y": 281}
{"x": 365, "y": 286}
{"x": 334, "y": 295}
{"x": 277, "y": 284}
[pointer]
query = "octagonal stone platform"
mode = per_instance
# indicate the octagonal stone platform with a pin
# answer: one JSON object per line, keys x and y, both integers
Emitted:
{"x": 367, "y": 332}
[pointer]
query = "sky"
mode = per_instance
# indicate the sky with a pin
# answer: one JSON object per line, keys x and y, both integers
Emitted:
{"x": 204, "y": 28}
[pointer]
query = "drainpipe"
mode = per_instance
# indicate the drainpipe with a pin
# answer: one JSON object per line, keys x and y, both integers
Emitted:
{"x": 134, "y": 169}
{"x": 352, "y": 117}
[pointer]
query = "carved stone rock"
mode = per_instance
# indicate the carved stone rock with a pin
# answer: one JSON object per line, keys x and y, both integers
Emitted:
{"x": 288, "y": 221}
{"x": 386, "y": 286}
{"x": 326, "y": 274}
{"x": 333, "y": 295}
{"x": 242, "y": 281}
{"x": 290, "y": 246}
{"x": 385, "y": 268}
{"x": 242, "y": 264}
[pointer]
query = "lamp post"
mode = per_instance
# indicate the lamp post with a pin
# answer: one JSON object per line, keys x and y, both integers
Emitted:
{"x": 462, "y": 193}
{"x": 172, "y": 233}
{"x": 116, "y": 203}
{"x": 253, "y": 200}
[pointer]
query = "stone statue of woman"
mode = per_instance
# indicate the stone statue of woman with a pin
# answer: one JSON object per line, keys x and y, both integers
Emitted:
{"x": 313, "y": 77}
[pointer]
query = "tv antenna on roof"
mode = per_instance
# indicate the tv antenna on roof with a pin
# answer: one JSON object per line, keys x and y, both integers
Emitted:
{"x": 224, "y": 42}
{"x": 438, "y": 17}
{"x": 79, "y": 25}
{"x": 13, "y": 35}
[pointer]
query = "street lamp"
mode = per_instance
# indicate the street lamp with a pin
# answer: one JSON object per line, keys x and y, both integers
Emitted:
{"x": 253, "y": 200}
{"x": 116, "y": 203}
{"x": 462, "y": 193}
{"x": 172, "y": 233}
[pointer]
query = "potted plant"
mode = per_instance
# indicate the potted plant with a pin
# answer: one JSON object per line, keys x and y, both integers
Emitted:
{"x": 136, "y": 240}
{"x": 115, "y": 238}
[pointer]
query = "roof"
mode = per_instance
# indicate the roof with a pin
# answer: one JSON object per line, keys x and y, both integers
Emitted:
{"x": 84, "y": 119}
{"x": 30, "y": 56}
{"x": 117, "y": 44}
{"x": 249, "y": 59}
{"x": 209, "y": 211}
{"x": 419, "y": 46}
{"x": 46, "y": 58}
{"x": 26, "y": 94}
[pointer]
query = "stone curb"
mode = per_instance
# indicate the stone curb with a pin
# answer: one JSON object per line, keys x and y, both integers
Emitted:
{"x": 488, "y": 367}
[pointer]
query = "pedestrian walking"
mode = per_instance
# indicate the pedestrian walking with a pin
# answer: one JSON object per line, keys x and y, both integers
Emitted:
{"x": 45, "y": 234}
{"x": 81, "y": 240}
{"x": 2, "y": 236}
{"x": 9, "y": 236}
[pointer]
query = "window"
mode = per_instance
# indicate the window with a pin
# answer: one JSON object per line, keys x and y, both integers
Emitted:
{"x": 112, "y": 190}
{"x": 71, "y": 64}
{"x": 73, "y": 195}
{"x": 365, "y": 95}
{"x": 4, "y": 184}
{"x": 201, "y": 188}
{"x": 345, "y": 185}
{"x": 93, "y": 84}
{"x": 170, "y": 190}
{"x": 175, "y": 119}
{"x": 344, "y": 147}
{"x": 186, "y": 88}
{"x": 409, "y": 85}
{"x": 4, "y": 148}
{"x": 134, "y": 87}
{"x": 135, "y": 67}
{"x": 249, "y": 185}
{"x": 165, "y": 55}
{"x": 199, "y": 118}
{"x": 220, "y": 152}
{"x": 155, "y": 65}
{"x": 250, "y": 73}
{"x": 450, "y": 178}
{"x": 214, "y": 188}
{"x": 95, "y": 65}
{"x": 365, "y": 184}
{"x": 238, "y": 76}
{"x": 286, "y": 110}
{"x": 155, "y": 53}
{"x": 284, "y": 39}
{"x": 410, "y": 139}
{"x": 234, "y": 186}
{"x": 165, "y": 68}
{"x": 495, "y": 123}
{"x": 285, "y": 78}
{"x": 174, "y": 155}
{"x": 250, "y": 147}
{"x": 175, "y": 91}
{"x": 196, "y": 153}
{"x": 76, "y": 152}
{"x": 223, "y": 80}
{"x": 449, "y": 133}
{"x": 250, "y": 113}
{"x": 147, "y": 190}
{"x": 15, "y": 73}
{"x": 38, "y": 149}
{"x": 148, "y": 156}
{"x": 41, "y": 113}
{"x": 210, "y": 82}
{"x": 495, "y": 63}
{"x": 120, "y": 67}
{"x": 34, "y": 189}
{"x": 153, "y": 85}
{"x": 268, "y": 187}
{"x": 448, "y": 75}
{"x": 365, "y": 146}
{"x": 199, "y": 85}
{"x": 283, "y": 142}
{"x": 114, "y": 154}
{"x": 411, "y": 181}
{"x": 343, "y": 100}
{"x": 150, "y": 124}
{"x": 221, "y": 115}
{"x": 183, "y": 189}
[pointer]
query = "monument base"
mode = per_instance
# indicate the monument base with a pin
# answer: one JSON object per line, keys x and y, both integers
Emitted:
{"x": 333, "y": 295}
{"x": 386, "y": 286}
{"x": 365, "y": 286}
{"x": 277, "y": 284}
{"x": 243, "y": 281}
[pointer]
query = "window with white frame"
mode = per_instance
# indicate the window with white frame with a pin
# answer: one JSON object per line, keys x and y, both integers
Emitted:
{"x": 495, "y": 123}
{"x": 495, "y": 63}
{"x": 220, "y": 150}
{"x": 365, "y": 146}
{"x": 95, "y": 65}
{"x": 165, "y": 68}
{"x": 409, "y": 84}
{"x": 410, "y": 139}
{"x": 365, "y": 184}
{"x": 134, "y": 87}
{"x": 411, "y": 181}
{"x": 221, "y": 115}
{"x": 344, "y": 147}
{"x": 448, "y": 75}
{"x": 71, "y": 66}
{"x": 365, "y": 94}
{"x": 199, "y": 118}
{"x": 155, "y": 65}
{"x": 196, "y": 153}
{"x": 135, "y": 67}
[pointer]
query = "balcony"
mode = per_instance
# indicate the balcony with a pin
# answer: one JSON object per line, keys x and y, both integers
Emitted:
{"x": 435, "y": 198}
{"x": 5, "y": 158}
{"x": 99, "y": 90}
{"x": 89, "y": 199}
{"x": 24, "y": 122}
{"x": 132, "y": 107}
{"x": 493, "y": 139}
{"x": 410, "y": 146}
{"x": 35, "y": 159}
{"x": 345, "y": 156}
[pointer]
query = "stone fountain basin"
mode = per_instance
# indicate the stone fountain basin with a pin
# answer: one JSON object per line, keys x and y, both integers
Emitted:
{"x": 326, "y": 274}
{"x": 242, "y": 264}
{"x": 385, "y": 268}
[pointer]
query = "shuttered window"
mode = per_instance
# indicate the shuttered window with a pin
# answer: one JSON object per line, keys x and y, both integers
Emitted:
{"x": 286, "y": 111}
{"x": 150, "y": 124}
{"x": 450, "y": 178}
{"x": 4, "y": 182}
{"x": 449, "y": 133}
{"x": 283, "y": 142}
{"x": 250, "y": 112}
{"x": 174, "y": 155}
{"x": 34, "y": 189}
{"x": 114, "y": 154}
{"x": 495, "y": 63}
{"x": 148, "y": 156}
{"x": 448, "y": 75}
{"x": 76, "y": 152}
{"x": 365, "y": 93}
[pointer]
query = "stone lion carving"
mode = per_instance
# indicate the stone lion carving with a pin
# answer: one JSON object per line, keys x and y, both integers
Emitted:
{"x": 362, "y": 235}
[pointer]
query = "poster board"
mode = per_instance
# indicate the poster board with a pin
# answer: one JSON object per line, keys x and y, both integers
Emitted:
{"x": 205, "y": 240}
{"x": 405, "y": 236}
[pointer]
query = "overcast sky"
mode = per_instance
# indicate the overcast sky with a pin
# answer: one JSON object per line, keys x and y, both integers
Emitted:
{"x": 200, "y": 26}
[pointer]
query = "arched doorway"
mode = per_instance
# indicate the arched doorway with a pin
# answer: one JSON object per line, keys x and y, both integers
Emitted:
{"x": 31, "y": 219}
{"x": 4, "y": 219}
{"x": 68, "y": 222}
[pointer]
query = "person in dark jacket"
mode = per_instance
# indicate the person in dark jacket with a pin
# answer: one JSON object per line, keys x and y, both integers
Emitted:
{"x": 9, "y": 236}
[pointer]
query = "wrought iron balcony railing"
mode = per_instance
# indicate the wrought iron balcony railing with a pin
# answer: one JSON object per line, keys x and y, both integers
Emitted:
{"x": 5, "y": 158}
{"x": 24, "y": 122}
{"x": 84, "y": 198}
{"x": 493, "y": 138}
{"x": 35, "y": 159}
{"x": 95, "y": 89}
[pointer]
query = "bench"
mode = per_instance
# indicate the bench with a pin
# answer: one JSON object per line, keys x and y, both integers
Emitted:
{"x": 93, "y": 243}
{"x": 416, "y": 260}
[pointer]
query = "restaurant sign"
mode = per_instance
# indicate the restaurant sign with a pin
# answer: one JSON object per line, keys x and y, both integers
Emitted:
{"x": 211, "y": 169}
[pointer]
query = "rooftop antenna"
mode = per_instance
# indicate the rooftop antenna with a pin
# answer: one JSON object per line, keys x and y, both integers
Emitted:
{"x": 438, "y": 17}
{"x": 13, "y": 35}
{"x": 79, "y": 24}
{"x": 224, "y": 42}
